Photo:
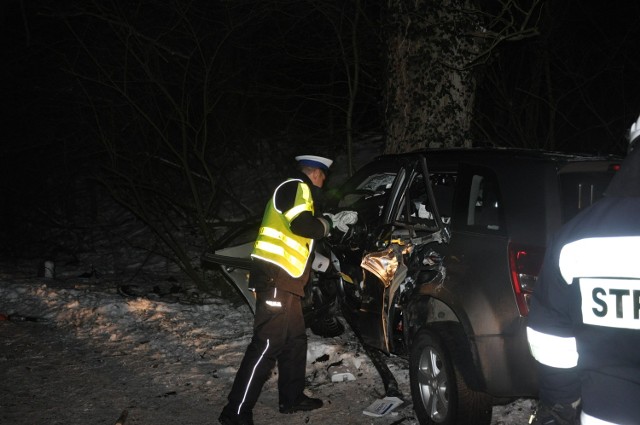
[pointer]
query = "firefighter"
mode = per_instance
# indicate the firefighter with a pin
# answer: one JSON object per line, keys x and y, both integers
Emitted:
{"x": 280, "y": 270}
{"x": 584, "y": 325}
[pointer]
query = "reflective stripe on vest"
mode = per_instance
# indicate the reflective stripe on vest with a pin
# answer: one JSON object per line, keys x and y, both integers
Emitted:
{"x": 276, "y": 243}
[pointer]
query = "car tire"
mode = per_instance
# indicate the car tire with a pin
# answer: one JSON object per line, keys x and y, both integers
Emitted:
{"x": 327, "y": 326}
{"x": 438, "y": 390}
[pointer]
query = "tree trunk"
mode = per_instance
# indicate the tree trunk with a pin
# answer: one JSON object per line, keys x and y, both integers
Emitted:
{"x": 430, "y": 87}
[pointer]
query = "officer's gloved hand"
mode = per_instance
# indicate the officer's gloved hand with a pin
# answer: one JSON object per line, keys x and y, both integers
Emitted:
{"x": 341, "y": 224}
{"x": 342, "y": 220}
{"x": 558, "y": 414}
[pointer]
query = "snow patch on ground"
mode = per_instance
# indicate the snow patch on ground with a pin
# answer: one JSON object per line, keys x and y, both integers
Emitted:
{"x": 76, "y": 351}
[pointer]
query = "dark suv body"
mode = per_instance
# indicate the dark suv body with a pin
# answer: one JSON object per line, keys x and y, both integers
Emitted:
{"x": 438, "y": 268}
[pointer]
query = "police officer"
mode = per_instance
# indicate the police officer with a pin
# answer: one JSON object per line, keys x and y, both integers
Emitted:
{"x": 584, "y": 325}
{"x": 281, "y": 266}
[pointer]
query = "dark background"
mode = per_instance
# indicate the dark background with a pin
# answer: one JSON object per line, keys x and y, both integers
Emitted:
{"x": 253, "y": 82}
{"x": 280, "y": 82}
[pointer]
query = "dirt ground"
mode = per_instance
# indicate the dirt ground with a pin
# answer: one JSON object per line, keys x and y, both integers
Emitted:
{"x": 50, "y": 377}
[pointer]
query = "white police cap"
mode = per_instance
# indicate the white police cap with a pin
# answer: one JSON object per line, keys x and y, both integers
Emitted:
{"x": 315, "y": 161}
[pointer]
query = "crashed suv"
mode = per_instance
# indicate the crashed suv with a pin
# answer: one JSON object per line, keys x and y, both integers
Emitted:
{"x": 440, "y": 264}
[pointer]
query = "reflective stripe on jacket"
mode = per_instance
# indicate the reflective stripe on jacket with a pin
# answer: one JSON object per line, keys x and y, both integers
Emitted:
{"x": 276, "y": 243}
{"x": 584, "y": 325}
{"x": 607, "y": 271}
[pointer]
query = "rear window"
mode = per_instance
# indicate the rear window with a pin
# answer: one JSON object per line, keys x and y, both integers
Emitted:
{"x": 580, "y": 188}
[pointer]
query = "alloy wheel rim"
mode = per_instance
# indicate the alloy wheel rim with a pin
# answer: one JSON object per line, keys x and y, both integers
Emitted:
{"x": 433, "y": 384}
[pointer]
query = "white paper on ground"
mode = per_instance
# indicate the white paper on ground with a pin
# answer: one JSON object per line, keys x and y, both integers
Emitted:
{"x": 342, "y": 377}
{"x": 382, "y": 406}
{"x": 341, "y": 373}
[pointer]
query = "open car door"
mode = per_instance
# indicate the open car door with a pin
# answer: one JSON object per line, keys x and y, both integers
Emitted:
{"x": 235, "y": 263}
{"x": 232, "y": 257}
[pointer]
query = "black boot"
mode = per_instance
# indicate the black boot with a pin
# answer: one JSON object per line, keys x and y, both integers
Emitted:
{"x": 303, "y": 404}
{"x": 232, "y": 418}
{"x": 558, "y": 414}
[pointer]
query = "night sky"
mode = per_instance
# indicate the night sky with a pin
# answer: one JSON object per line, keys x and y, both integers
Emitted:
{"x": 591, "y": 46}
{"x": 583, "y": 68}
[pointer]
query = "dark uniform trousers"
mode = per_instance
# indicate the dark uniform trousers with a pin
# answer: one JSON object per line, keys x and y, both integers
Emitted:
{"x": 279, "y": 337}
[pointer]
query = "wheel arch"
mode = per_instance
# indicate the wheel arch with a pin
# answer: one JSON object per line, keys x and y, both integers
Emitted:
{"x": 447, "y": 399}
{"x": 426, "y": 312}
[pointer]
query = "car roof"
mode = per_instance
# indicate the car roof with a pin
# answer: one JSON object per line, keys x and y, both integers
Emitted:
{"x": 528, "y": 178}
{"x": 488, "y": 153}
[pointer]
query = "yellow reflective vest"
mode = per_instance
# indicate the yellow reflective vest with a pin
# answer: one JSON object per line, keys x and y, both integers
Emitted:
{"x": 276, "y": 243}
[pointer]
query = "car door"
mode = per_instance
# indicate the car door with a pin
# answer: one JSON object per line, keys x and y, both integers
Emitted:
{"x": 233, "y": 259}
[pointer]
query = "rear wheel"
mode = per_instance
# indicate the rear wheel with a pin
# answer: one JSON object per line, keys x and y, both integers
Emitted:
{"x": 439, "y": 392}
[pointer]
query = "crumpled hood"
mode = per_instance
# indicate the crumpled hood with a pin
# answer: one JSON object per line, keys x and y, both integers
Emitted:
{"x": 626, "y": 182}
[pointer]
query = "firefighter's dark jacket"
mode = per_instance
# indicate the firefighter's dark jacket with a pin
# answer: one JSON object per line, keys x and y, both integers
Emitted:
{"x": 584, "y": 325}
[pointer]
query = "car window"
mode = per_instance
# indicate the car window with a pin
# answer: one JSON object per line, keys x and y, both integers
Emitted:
{"x": 366, "y": 192}
{"x": 372, "y": 186}
{"x": 415, "y": 206}
{"x": 484, "y": 205}
{"x": 580, "y": 190}
{"x": 443, "y": 186}
{"x": 479, "y": 203}
{"x": 378, "y": 182}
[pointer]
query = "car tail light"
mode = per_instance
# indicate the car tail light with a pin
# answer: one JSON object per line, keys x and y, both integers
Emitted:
{"x": 525, "y": 263}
